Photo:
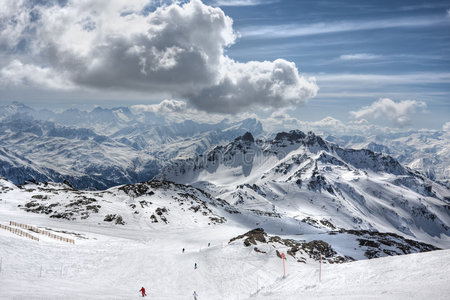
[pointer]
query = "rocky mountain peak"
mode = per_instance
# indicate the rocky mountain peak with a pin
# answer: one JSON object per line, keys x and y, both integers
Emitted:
{"x": 293, "y": 135}
{"x": 246, "y": 137}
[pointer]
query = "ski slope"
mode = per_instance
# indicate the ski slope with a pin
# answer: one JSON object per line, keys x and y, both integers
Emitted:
{"x": 412, "y": 276}
{"x": 113, "y": 262}
{"x": 109, "y": 266}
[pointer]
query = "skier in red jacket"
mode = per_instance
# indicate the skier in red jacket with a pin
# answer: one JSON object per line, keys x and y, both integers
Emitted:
{"x": 142, "y": 290}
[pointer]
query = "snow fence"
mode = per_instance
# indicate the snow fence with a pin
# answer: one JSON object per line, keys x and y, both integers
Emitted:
{"x": 43, "y": 232}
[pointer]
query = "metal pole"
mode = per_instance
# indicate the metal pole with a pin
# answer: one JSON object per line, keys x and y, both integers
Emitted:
{"x": 257, "y": 286}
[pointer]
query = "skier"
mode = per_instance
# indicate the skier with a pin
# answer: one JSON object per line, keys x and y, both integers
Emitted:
{"x": 195, "y": 266}
{"x": 209, "y": 244}
{"x": 183, "y": 250}
{"x": 195, "y": 295}
{"x": 142, "y": 290}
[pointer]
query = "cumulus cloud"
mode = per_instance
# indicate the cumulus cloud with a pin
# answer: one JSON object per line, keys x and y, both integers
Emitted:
{"x": 399, "y": 113}
{"x": 177, "y": 111}
{"x": 446, "y": 127}
{"x": 176, "y": 49}
{"x": 164, "y": 107}
{"x": 328, "y": 122}
{"x": 279, "y": 120}
{"x": 359, "y": 122}
{"x": 266, "y": 84}
{"x": 16, "y": 73}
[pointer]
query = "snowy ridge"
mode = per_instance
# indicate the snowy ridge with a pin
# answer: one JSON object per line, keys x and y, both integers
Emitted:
{"x": 427, "y": 151}
{"x": 301, "y": 176}
{"x": 144, "y": 204}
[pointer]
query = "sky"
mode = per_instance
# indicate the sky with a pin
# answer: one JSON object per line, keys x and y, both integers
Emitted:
{"x": 367, "y": 62}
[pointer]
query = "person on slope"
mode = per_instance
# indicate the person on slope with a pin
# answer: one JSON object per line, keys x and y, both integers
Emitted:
{"x": 195, "y": 295}
{"x": 142, "y": 290}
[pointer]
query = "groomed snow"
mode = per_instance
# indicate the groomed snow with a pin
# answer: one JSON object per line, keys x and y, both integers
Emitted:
{"x": 113, "y": 262}
{"x": 412, "y": 276}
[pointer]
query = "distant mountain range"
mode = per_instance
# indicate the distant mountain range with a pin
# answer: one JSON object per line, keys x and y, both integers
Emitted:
{"x": 423, "y": 150}
{"x": 101, "y": 148}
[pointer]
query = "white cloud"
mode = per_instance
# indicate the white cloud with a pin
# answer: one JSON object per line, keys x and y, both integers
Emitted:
{"x": 11, "y": 32}
{"x": 180, "y": 111}
{"x": 279, "y": 120}
{"x": 328, "y": 122}
{"x": 282, "y": 121}
{"x": 359, "y": 122}
{"x": 177, "y": 49}
{"x": 243, "y": 2}
{"x": 255, "y": 84}
{"x": 446, "y": 127}
{"x": 399, "y": 113}
{"x": 294, "y": 30}
{"x": 164, "y": 107}
{"x": 390, "y": 79}
{"x": 17, "y": 73}
{"x": 359, "y": 56}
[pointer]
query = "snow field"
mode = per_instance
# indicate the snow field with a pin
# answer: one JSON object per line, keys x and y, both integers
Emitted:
{"x": 111, "y": 261}
{"x": 413, "y": 276}
{"x": 108, "y": 266}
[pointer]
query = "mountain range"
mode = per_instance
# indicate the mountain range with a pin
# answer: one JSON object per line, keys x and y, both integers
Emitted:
{"x": 237, "y": 202}
{"x": 294, "y": 176}
{"x": 301, "y": 176}
{"x": 427, "y": 151}
{"x": 104, "y": 147}
{"x": 107, "y": 147}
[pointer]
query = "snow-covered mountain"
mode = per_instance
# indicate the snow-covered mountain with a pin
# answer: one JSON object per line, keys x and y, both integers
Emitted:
{"x": 232, "y": 212}
{"x": 169, "y": 206}
{"x": 424, "y": 150}
{"x": 303, "y": 177}
{"x": 149, "y": 141}
{"x": 427, "y": 151}
{"x": 101, "y": 148}
{"x": 151, "y": 234}
{"x": 45, "y": 151}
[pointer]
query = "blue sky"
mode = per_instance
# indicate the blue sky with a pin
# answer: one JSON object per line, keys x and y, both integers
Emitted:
{"x": 405, "y": 45}
{"x": 359, "y": 52}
